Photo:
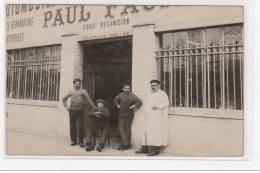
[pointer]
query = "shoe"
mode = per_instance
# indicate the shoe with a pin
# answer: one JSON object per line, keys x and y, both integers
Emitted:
{"x": 99, "y": 148}
{"x": 152, "y": 153}
{"x": 89, "y": 148}
{"x": 81, "y": 145}
{"x": 142, "y": 151}
{"x": 126, "y": 147}
{"x": 120, "y": 147}
{"x": 73, "y": 143}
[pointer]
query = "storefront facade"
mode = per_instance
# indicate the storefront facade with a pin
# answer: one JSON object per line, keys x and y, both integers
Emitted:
{"x": 196, "y": 52}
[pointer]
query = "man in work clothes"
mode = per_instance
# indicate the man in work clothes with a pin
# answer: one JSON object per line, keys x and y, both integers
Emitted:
{"x": 79, "y": 97}
{"x": 126, "y": 102}
{"x": 154, "y": 131}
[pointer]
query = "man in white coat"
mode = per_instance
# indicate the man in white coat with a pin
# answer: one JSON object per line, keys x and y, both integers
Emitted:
{"x": 155, "y": 123}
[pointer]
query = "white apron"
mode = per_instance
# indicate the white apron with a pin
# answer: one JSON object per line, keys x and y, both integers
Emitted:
{"x": 155, "y": 122}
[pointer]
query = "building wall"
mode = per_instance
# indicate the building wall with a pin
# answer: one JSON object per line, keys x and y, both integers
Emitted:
{"x": 203, "y": 136}
{"x": 32, "y": 119}
{"x": 143, "y": 70}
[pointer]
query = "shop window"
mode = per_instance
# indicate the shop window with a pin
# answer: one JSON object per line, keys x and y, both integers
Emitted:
{"x": 202, "y": 68}
{"x": 34, "y": 73}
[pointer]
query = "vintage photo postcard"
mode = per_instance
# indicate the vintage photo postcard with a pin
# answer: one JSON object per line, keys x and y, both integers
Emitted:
{"x": 124, "y": 80}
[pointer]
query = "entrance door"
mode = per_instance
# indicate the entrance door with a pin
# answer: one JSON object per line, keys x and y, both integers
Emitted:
{"x": 107, "y": 66}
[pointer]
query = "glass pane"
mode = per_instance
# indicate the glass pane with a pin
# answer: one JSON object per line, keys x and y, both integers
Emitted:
{"x": 231, "y": 81}
{"x": 180, "y": 38}
{"x": 196, "y": 37}
{"x": 192, "y": 81}
{"x": 59, "y": 52}
{"x": 44, "y": 84}
{"x": 17, "y": 54}
{"x": 29, "y": 83}
{"x": 239, "y": 82}
{"x": 177, "y": 92}
{"x": 214, "y": 35}
{"x": 182, "y": 93}
{"x": 173, "y": 82}
{"x": 166, "y": 74}
{"x": 24, "y": 54}
{"x": 10, "y": 56}
{"x": 161, "y": 61}
{"x": 55, "y": 52}
{"x": 46, "y": 53}
{"x": 167, "y": 40}
{"x": 218, "y": 81}
{"x": 31, "y": 54}
{"x": 199, "y": 80}
{"x": 233, "y": 34}
{"x": 38, "y": 53}
{"x": 22, "y": 82}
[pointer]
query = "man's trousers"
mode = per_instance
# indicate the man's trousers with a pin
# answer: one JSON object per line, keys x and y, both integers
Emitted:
{"x": 89, "y": 128}
{"x": 124, "y": 127}
{"x": 76, "y": 116}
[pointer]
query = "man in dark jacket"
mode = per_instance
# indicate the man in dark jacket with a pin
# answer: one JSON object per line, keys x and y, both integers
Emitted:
{"x": 126, "y": 103}
{"x": 79, "y": 97}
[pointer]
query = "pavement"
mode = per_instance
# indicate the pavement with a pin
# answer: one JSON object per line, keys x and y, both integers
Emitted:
{"x": 25, "y": 144}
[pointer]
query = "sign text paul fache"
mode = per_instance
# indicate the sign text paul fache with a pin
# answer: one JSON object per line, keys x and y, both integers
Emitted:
{"x": 56, "y": 17}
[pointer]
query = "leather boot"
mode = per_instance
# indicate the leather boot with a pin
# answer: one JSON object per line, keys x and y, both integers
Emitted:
{"x": 100, "y": 147}
{"x": 154, "y": 151}
{"x": 143, "y": 150}
{"x": 73, "y": 143}
{"x": 89, "y": 147}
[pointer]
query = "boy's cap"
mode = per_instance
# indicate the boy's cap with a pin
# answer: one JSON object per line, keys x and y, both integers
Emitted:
{"x": 100, "y": 100}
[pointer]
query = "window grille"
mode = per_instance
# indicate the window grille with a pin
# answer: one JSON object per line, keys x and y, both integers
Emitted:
{"x": 34, "y": 73}
{"x": 202, "y": 68}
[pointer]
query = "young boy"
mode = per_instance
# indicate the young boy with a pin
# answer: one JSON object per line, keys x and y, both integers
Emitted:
{"x": 101, "y": 113}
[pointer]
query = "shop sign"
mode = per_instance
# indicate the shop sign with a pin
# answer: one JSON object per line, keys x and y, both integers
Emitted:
{"x": 91, "y": 22}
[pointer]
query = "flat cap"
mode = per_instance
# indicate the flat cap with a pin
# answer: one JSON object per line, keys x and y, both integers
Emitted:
{"x": 100, "y": 100}
{"x": 76, "y": 80}
{"x": 155, "y": 81}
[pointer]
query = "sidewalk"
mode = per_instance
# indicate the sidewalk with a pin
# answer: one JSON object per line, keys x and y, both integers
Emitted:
{"x": 24, "y": 144}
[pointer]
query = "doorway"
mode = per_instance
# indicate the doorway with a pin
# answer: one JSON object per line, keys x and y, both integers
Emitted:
{"x": 107, "y": 65}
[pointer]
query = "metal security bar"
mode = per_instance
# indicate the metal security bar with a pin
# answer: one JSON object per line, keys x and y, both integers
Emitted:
{"x": 34, "y": 74}
{"x": 203, "y": 76}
